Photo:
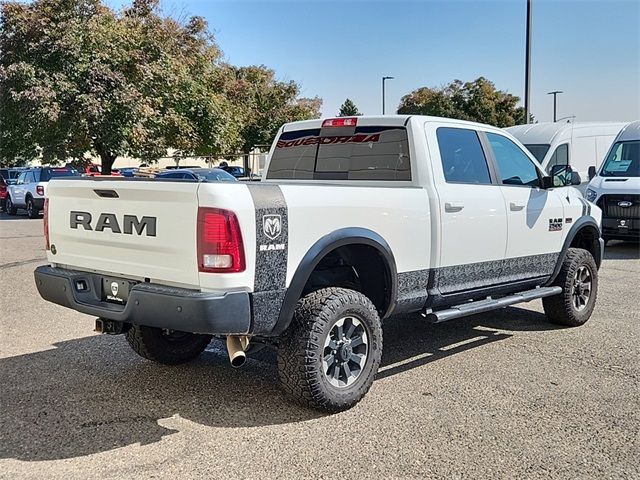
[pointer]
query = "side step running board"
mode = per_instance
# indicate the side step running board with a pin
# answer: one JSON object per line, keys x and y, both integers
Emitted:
{"x": 480, "y": 306}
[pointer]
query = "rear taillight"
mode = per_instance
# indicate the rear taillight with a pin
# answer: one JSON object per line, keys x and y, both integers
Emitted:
{"x": 40, "y": 190}
{"x": 220, "y": 247}
{"x": 45, "y": 219}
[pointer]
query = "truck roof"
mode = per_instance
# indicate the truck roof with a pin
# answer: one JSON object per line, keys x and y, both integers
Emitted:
{"x": 377, "y": 120}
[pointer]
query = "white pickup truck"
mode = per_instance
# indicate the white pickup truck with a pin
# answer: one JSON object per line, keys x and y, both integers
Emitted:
{"x": 355, "y": 220}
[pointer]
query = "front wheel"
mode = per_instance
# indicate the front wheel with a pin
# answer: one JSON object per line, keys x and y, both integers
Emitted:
{"x": 330, "y": 354}
{"x": 169, "y": 347}
{"x": 578, "y": 278}
{"x": 10, "y": 207}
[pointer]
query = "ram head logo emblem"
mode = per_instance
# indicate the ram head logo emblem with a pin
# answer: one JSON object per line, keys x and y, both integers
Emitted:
{"x": 272, "y": 226}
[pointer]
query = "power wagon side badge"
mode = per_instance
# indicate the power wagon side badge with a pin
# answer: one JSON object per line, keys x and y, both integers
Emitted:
{"x": 555, "y": 224}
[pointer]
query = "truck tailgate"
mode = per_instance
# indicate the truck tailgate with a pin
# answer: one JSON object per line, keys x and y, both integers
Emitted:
{"x": 135, "y": 229}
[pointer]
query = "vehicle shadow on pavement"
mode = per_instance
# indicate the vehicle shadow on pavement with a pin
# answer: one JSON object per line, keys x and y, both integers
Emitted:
{"x": 617, "y": 250}
{"x": 93, "y": 394}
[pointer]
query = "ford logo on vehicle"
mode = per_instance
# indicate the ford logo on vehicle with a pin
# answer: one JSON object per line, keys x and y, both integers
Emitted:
{"x": 625, "y": 204}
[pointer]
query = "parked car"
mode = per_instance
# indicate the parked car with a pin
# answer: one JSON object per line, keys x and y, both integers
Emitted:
{"x": 356, "y": 219}
{"x": 128, "y": 171}
{"x": 198, "y": 174}
{"x": 11, "y": 174}
{"x": 92, "y": 170}
{"x": 3, "y": 193}
{"x": 30, "y": 188}
{"x": 615, "y": 186}
{"x": 578, "y": 144}
{"x": 238, "y": 172}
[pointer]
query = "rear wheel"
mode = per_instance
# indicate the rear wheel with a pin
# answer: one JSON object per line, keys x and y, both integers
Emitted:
{"x": 10, "y": 207}
{"x": 578, "y": 278}
{"x": 32, "y": 210}
{"x": 169, "y": 347}
{"x": 330, "y": 354}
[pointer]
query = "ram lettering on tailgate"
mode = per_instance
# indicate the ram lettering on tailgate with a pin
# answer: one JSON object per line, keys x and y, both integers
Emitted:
{"x": 146, "y": 225}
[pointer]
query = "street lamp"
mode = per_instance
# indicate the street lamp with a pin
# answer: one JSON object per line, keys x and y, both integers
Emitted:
{"x": 383, "y": 80}
{"x": 555, "y": 94}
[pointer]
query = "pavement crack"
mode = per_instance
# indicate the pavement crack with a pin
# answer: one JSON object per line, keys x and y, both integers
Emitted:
{"x": 21, "y": 262}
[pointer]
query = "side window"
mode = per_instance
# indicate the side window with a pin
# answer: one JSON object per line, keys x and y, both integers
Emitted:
{"x": 514, "y": 166}
{"x": 559, "y": 157}
{"x": 21, "y": 178}
{"x": 463, "y": 160}
{"x": 31, "y": 178}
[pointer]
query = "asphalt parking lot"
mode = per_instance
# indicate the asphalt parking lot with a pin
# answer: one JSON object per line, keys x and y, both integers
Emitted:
{"x": 498, "y": 395}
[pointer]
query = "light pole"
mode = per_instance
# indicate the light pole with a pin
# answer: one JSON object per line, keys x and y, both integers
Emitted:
{"x": 527, "y": 66}
{"x": 383, "y": 80}
{"x": 555, "y": 95}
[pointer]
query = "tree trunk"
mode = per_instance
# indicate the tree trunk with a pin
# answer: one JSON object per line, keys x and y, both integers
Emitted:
{"x": 107, "y": 158}
{"x": 246, "y": 163}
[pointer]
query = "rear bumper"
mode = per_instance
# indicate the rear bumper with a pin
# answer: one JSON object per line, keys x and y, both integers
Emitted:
{"x": 38, "y": 203}
{"x": 149, "y": 304}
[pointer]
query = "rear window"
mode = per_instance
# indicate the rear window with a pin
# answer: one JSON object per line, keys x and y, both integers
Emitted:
{"x": 361, "y": 153}
{"x": 49, "y": 173}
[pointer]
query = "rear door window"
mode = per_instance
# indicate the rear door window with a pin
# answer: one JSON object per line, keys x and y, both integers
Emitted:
{"x": 462, "y": 157}
{"x": 361, "y": 153}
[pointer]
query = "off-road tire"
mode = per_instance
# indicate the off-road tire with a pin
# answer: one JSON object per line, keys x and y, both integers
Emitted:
{"x": 560, "y": 308}
{"x": 301, "y": 347}
{"x": 170, "y": 349}
{"x": 32, "y": 210}
{"x": 9, "y": 207}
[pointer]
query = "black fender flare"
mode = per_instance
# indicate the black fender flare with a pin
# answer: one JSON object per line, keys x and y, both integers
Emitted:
{"x": 581, "y": 223}
{"x": 328, "y": 243}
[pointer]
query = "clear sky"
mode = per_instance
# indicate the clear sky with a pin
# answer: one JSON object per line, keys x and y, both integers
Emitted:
{"x": 589, "y": 49}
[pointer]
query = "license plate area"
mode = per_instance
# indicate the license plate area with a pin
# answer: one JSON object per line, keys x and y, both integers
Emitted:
{"x": 623, "y": 224}
{"x": 115, "y": 290}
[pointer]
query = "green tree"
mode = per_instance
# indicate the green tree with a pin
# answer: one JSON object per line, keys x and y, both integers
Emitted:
{"x": 75, "y": 77}
{"x": 477, "y": 101}
{"x": 349, "y": 109}
{"x": 262, "y": 104}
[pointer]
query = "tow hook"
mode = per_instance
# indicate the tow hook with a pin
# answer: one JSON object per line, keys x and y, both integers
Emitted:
{"x": 111, "y": 327}
{"x": 237, "y": 345}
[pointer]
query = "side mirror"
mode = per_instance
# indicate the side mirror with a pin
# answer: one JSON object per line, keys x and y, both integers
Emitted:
{"x": 547, "y": 183}
{"x": 563, "y": 175}
{"x": 592, "y": 172}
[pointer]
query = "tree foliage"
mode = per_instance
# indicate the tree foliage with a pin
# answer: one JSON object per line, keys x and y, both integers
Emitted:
{"x": 262, "y": 103}
{"x": 348, "y": 109}
{"x": 77, "y": 77}
{"x": 477, "y": 101}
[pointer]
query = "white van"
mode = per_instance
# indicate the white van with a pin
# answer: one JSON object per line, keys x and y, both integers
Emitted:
{"x": 578, "y": 144}
{"x": 616, "y": 186}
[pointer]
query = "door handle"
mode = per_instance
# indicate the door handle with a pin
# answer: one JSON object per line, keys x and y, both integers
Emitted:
{"x": 516, "y": 206}
{"x": 453, "y": 207}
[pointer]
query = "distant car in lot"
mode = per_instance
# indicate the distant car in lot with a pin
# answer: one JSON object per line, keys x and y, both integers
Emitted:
{"x": 3, "y": 192}
{"x": 128, "y": 171}
{"x": 94, "y": 170}
{"x": 10, "y": 175}
{"x": 198, "y": 174}
{"x": 30, "y": 188}
{"x": 238, "y": 172}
